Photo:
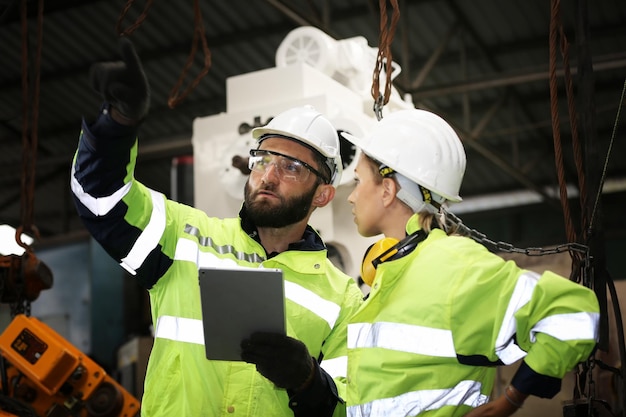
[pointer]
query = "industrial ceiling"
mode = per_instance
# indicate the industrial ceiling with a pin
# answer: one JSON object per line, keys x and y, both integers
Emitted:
{"x": 499, "y": 71}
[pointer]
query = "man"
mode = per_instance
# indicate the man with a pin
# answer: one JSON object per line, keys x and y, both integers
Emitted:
{"x": 163, "y": 243}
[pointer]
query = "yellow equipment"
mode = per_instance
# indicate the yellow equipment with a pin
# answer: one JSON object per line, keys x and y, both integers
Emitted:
{"x": 47, "y": 374}
{"x": 379, "y": 251}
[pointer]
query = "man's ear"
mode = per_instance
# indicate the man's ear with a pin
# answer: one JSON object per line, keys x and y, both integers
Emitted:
{"x": 324, "y": 195}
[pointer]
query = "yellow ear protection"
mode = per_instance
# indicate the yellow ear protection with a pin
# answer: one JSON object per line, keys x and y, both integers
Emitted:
{"x": 379, "y": 251}
{"x": 387, "y": 249}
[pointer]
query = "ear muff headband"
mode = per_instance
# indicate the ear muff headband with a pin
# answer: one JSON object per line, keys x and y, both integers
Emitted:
{"x": 387, "y": 249}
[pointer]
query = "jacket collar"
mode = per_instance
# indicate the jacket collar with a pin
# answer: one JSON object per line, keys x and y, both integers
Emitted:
{"x": 413, "y": 224}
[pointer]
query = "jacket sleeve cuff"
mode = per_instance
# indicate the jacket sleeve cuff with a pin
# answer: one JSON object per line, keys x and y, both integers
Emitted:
{"x": 319, "y": 399}
{"x": 529, "y": 382}
{"x": 112, "y": 132}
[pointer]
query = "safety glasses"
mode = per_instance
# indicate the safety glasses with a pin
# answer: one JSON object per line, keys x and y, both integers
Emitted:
{"x": 288, "y": 168}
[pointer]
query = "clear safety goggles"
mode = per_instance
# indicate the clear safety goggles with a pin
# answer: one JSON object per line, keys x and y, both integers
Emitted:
{"x": 288, "y": 168}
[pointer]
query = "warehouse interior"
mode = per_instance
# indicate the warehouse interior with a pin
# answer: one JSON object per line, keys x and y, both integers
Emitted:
{"x": 534, "y": 89}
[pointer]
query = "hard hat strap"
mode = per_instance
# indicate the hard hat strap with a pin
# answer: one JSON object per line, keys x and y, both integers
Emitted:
{"x": 428, "y": 197}
{"x": 385, "y": 171}
{"x": 413, "y": 195}
{"x": 410, "y": 193}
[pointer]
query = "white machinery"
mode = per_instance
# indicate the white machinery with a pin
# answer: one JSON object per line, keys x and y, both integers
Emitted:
{"x": 311, "y": 68}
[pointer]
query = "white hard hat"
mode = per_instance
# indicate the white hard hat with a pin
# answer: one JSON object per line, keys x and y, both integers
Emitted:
{"x": 308, "y": 126}
{"x": 419, "y": 145}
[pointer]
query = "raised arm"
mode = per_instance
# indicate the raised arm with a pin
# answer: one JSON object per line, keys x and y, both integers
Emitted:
{"x": 124, "y": 216}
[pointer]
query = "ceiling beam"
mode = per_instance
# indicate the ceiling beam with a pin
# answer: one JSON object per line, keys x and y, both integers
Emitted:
{"x": 505, "y": 80}
{"x": 471, "y": 140}
{"x": 11, "y": 13}
{"x": 159, "y": 54}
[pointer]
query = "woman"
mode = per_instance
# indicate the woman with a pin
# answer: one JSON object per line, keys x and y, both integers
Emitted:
{"x": 443, "y": 311}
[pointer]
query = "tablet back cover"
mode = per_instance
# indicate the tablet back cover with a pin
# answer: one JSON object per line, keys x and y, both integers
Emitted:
{"x": 236, "y": 303}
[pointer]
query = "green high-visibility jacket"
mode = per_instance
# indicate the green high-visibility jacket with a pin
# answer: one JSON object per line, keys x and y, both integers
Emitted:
{"x": 163, "y": 244}
{"x": 438, "y": 321}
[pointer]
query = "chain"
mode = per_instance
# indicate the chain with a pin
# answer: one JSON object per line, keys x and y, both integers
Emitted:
{"x": 21, "y": 304}
{"x": 591, "y": 383}
{"x": 20, "y": 307}
{"x": 384, "y": 58}
{"x": 452, "y": 222}
{"x": 13, "y": 285}
{"x": 378, "y": 107}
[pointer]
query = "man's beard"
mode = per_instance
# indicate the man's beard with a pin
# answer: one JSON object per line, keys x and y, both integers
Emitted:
{"x": 291, "y": 211}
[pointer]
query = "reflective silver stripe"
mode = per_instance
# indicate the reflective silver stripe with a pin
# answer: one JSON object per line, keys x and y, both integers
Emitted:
{"x": 572, "y": 326}
{"x": 149, "y": 237}
{"x": 223, "y": 249}
{"x": 402, "y": 337}
{"x": 505, "y": 347}
{"x": 416, "y": 402}
{"x": 325, "y": 309}
{"x": 191, "y": 331}
{"x": 187, "y": 250}
{"x": 336, "y": 367}
{"x": 99, "y": 206}
{"x": 180, "y": 329}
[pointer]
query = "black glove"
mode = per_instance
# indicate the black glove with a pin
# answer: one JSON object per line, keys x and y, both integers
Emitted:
{"x": 123, "y": 83}
{"x": 282, "y": 359}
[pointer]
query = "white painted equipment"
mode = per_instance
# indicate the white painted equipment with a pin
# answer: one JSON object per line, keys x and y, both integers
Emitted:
{"x": 311, "y": 68}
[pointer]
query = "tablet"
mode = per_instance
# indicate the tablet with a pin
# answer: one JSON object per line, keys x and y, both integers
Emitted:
{"x": 236, "y": 303}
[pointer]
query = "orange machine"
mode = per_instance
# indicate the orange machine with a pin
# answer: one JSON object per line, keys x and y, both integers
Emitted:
{"x": 46, "y": 373}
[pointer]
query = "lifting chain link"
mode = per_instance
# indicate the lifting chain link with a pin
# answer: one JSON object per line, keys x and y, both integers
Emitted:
{"x": 591, "y": 383}
{"x": 452, "y": 222}
{"x": 384, "y": 56}
{"x": 20, "y": 307}
{"x": 378, "y": 107}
